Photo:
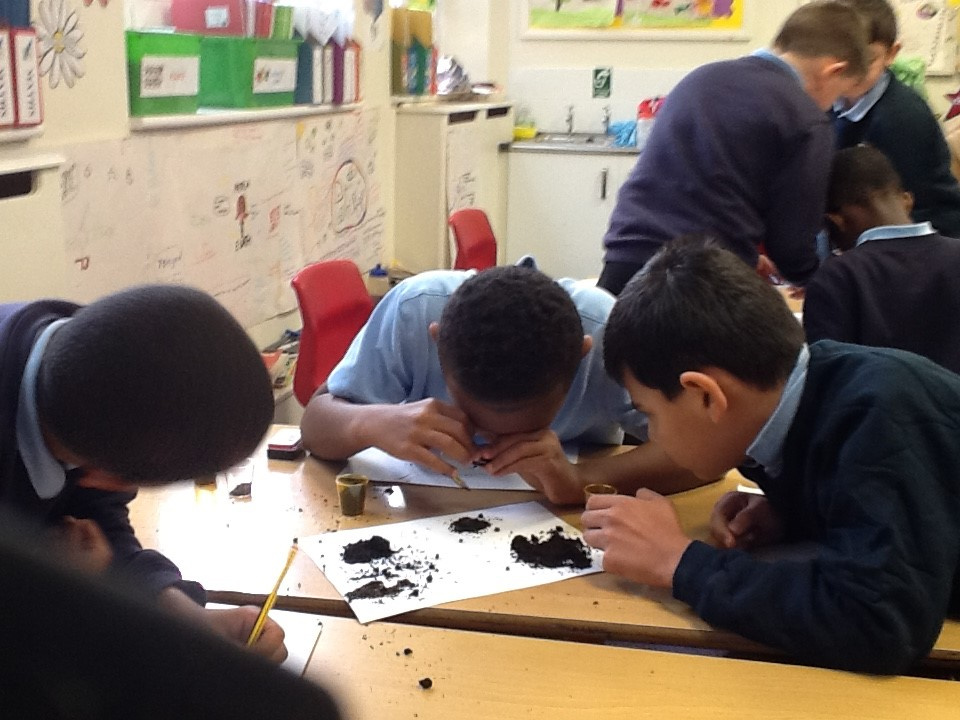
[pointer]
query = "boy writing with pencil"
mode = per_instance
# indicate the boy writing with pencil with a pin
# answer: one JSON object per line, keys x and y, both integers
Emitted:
{"x": 856, "y": 449}
{"x": 149, "y": 385}
{"x": 498, "y": 368}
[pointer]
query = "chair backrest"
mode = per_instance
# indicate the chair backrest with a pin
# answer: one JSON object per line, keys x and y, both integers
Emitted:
{"x": 476, "y": 245}
{"x": 334, "y": 305}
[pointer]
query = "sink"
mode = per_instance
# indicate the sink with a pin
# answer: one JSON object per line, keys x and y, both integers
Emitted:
{"x": 598, "y": 139}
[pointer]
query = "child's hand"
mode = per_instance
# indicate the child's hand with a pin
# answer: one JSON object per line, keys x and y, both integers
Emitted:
{"x": 86, "y": 545}
{"x": 745, "y": 521}
{"x": 235, "y": 624}
{"x": 539, "y": 459}
{"x": 641, "y": 536}
{"x": 417, "y": 431}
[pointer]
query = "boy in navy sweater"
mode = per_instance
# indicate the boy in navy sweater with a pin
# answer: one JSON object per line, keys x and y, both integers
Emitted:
{"x": 147, "y": 386}
{"x": 887, "y": 114}
{"x": 741, "y": 151}
{"x": 856, "y": 449}
{"x": 895, "y": 283}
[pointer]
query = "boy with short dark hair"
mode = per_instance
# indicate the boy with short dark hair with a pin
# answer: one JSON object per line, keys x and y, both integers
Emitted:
{"x": 887, "y": 114}
{"x": 741, "y": 151}
{"x": 895, "y": 283}
{"x": 498, "y": 367}
{"x": 856, "y": 449}
{"x": 145, "y": 386}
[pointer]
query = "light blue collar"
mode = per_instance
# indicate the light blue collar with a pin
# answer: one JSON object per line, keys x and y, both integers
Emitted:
{"x": 774, "y": 58}
{"x": 859, "y": 110}
{"x": 47, "y": 474}
{"x": 766, "y": 449}
{"x": 894, "y": 232}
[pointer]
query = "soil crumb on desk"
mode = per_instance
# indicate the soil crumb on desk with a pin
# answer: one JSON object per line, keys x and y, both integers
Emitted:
{"x": 365, "y": 551}
{"x": 553, "y": 551}
{"x": 426, "y": 683}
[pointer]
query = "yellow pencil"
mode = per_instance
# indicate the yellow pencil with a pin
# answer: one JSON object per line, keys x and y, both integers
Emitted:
{"x": 459, "y": 480}
{"x": 271, "y": 598}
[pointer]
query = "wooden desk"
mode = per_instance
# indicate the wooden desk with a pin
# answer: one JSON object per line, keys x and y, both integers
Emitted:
{"x": 485, "y": 676}
{"x": 237, "y": 547}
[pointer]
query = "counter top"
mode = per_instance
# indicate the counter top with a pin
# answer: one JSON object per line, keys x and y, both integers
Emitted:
{"x": 542, "y": 146}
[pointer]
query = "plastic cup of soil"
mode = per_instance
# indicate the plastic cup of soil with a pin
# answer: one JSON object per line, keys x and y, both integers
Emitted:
{"x": 240, "y": 479}
{"x": 352, "y": 491}
{"x": 598, "y": 489}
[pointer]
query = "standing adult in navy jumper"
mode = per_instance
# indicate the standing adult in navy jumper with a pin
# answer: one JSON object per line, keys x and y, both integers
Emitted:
{"x": 741, "y": 151}
{"x": 146, "y": 386}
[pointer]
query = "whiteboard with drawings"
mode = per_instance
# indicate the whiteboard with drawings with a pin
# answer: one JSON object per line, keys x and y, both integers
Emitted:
{"x": 233, "y": 210}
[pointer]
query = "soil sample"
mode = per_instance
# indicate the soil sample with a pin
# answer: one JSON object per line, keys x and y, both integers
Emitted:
{"x": 376, "y": 589}
{"x": 365, "y": 551}
{"x": 553, "y": 551}
{"x": 467, "y": 524}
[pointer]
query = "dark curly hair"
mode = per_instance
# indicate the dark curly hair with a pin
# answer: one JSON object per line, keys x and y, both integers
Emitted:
{"x": 696, "y": 305}
{"x": 154, "y": 384}
{"x": 510, "y": 333}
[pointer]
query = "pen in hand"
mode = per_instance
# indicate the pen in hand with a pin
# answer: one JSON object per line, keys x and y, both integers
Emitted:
{"x": 271, "y": 598}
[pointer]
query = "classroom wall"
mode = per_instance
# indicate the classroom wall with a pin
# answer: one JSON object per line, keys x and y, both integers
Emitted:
{"x": 547, "y": 71}
{"x": 127, "y": 207}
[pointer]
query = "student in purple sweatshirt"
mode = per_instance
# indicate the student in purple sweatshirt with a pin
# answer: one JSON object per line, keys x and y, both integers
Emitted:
{"x": 741, "y": 151}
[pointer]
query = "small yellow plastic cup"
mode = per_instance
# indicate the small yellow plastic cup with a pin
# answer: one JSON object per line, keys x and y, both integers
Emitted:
{"x": 598, "y": 489}
{"x": 352, "y": 492}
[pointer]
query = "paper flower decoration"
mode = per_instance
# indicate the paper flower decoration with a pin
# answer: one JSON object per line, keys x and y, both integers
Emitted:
{"x": 59, "y": 36}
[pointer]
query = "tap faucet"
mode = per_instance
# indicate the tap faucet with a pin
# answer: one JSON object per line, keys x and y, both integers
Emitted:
{"x": 606, "y": 119}
{"x": 569, "y": 119}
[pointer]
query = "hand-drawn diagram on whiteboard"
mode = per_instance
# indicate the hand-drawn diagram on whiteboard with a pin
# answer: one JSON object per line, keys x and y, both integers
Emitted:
{"x": 390, "y": 569}
{"x": 234, "y": 210}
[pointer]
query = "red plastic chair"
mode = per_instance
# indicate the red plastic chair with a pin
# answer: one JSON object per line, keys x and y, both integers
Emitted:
{"x": 476, "y": 245}
{"x": 334, "y": 304}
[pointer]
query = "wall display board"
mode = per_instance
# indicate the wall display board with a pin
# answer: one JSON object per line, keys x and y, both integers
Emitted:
{"x": 233, "y": 210}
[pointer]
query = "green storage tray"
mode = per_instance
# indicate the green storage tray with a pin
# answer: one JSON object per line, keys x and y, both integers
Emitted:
{"x": 244, "y": 72}
{"x": 163, "y": 71}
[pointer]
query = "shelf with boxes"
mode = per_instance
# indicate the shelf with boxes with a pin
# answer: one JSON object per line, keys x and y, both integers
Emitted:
{"x": 187, "y": 75}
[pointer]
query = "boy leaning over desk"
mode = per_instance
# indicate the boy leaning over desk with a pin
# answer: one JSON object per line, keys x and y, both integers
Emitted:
{"x": 147, "y": 386}
{"x": 895, "y": 282}
{"x": 856, "y": 449}
{"x": 499, "y": 368}
{"x": 892, "y": 117}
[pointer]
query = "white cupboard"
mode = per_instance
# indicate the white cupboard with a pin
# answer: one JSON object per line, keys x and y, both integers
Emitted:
{"x": 447, "y": 158}
{"x": 558, "y": 207}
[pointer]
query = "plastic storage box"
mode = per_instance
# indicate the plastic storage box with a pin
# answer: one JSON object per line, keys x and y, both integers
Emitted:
{"x": 240, "y": 72}
{"x": 163, "y": 71}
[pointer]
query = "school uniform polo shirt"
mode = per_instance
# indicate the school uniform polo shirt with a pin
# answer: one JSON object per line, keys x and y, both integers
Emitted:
{"x": 394, "y": 360}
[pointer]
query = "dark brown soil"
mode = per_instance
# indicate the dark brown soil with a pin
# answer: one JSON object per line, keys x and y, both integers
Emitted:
{"x": 364, "y": 551}
{"x": 426, "y": 683}
{"x": 376, "y": 589}
{"x": 241, "y": 490}
{"x": 552, "y": 550}
{"x": 467, "y": 524}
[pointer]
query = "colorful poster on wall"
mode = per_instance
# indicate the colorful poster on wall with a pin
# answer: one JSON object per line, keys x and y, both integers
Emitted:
{"x": 636, "y": 14}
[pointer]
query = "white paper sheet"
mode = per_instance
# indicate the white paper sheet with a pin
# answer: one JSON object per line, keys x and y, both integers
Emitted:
{"x": 431, "y": 563}
{"x": 381, "y": 467}
{"x": 301, "y": 632}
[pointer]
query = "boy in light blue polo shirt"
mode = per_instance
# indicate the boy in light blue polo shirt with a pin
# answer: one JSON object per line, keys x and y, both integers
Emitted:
{"x": 500, "y": 368}
{"x": 895, "y": 283}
